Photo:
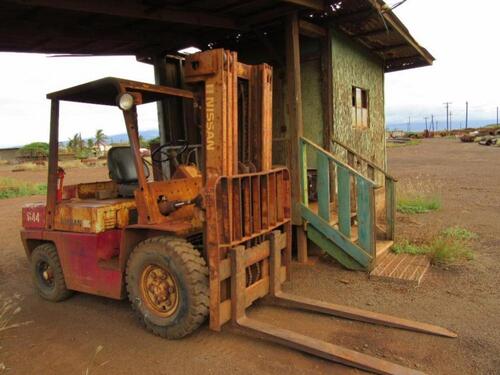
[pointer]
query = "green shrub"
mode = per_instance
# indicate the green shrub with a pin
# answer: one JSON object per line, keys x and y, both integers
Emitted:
{"x": 418, "y": 204}
{"x": 35, "y": 149}
{"x": 451, "y": 245}
{"x": 11, "y": 188}
{"x": 405, "y": 247}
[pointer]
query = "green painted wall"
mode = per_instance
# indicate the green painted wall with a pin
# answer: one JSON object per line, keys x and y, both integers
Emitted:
{"x": 353, "y": 65}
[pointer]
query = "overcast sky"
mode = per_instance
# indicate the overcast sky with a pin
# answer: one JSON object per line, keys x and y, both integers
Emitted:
{"x": 462, "y": 35}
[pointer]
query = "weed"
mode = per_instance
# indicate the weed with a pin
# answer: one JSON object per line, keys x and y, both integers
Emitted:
{"x": 450, "y": 246}
{"x": 416, "y": 197}
{"x": 458, "y": 233}
{"x": 405, "y": 247}
{"x": 10, "y": 188}
{"x": 9, "y": 308}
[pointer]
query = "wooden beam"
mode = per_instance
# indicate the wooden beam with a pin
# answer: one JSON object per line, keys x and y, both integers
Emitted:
{"x": 312, "y": 30}
{"x": 311, "y": 4}
{"x": 296, "y": 126}
{"x": 294, "y": 100}
{"x": 390, "y": 48}
{"x": 136, "y": 11}
{"x": 396, "y": 24}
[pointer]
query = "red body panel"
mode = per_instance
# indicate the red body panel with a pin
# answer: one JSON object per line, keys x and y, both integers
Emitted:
{"x": 34, "y": 216}
{"x": 87, "y": 259}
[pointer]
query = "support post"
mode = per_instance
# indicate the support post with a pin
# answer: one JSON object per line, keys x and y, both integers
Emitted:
{"x": 294, "y": 100}
{"x": 53, "y": 163}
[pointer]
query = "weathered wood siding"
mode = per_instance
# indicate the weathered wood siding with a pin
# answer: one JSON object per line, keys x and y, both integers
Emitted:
{"x": 353, "y": 65}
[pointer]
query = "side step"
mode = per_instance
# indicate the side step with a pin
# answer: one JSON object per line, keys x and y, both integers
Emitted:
{"x": 308, "y": 344}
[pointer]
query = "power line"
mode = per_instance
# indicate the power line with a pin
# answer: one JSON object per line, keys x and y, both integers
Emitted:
{"x": 466, "y": 115}
{"x": 447, "y": 104}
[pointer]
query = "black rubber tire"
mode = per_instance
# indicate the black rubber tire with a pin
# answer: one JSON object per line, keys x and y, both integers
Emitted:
{"x": 190, "y": 271}
{"x": 57, "y": 292}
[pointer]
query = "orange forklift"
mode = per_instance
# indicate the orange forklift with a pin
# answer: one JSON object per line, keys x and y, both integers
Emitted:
{"x": 209, "y": 238}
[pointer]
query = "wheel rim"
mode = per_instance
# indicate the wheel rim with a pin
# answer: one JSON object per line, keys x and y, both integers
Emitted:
{"x": 159, "y": 290}
{"x": 45, "y": 274}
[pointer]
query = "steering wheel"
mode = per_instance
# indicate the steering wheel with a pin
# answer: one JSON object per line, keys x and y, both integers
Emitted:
{"x": 161, "y": 155}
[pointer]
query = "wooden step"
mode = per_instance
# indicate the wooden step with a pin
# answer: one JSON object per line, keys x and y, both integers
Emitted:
{"x": 382, "y": 246}
{"x": 402, "y": 268}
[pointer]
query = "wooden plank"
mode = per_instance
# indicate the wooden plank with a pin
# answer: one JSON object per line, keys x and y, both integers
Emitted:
{"x": 311, "y": 4}
{"x": 390, "y": 206}
{"x": 238, "y": 280}
{"x": 323, "y": 187}
{"x": 338, "y": 238}
{"x": 264, "y": 191}
{"x": 312, "y": 30}
{"x": 366, "y": 215}
{"x": 303, "y": 174}
{"x": 252, "y": 255}
{"x": 333, "y": 250}
{"x": 344, "y": 200}
{"x": 294, "y": 100}
{"x": 274, "y": 265}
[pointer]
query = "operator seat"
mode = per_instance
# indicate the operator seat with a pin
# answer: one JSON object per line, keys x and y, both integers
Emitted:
{"x": 122, "y": 170}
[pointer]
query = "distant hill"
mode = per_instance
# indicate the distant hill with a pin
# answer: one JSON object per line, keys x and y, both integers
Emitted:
{"x": 122, "y": 138}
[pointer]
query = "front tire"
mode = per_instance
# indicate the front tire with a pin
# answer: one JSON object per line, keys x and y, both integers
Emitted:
{"x": 167, "y": 285}
{"x": 47, "y": 273}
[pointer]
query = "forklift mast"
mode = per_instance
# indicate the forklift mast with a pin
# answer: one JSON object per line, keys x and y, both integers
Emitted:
{"x": 245, "y": 198}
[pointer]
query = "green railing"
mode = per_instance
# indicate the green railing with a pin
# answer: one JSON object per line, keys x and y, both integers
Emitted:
{"x": 354, "y": 159}
{"x": 353, "y": 197}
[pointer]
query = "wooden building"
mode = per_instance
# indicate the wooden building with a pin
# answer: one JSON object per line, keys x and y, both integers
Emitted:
{"x": 329, "y": 59}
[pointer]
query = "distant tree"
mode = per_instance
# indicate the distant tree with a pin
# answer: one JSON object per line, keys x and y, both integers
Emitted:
{"x": 154, "y": 140}
{"x": 101, "y": 139}
{"x": 90, "y": 143}
{"x": 76, "y": 143}
{"x": 35, "y": 150}
{"x": 143, "y": 142}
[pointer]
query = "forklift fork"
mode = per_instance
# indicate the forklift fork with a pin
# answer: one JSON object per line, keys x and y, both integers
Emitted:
{"x": 305, "y": 343}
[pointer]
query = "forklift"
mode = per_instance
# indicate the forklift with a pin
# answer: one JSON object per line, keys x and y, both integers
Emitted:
{"x": 206, "y": 239}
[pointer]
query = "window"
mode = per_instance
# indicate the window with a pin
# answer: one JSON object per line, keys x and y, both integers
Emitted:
{"x": 360, "y": 108}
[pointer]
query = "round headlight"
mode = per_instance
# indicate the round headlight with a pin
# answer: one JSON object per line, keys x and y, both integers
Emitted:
{"x": 126, "y": 101}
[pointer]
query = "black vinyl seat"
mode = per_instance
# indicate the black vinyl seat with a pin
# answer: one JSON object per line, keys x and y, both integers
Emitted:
{"x": 122, "y": 170}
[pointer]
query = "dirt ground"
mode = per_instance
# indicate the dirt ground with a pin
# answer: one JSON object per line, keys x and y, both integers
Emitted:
{"x": 63, "y": 337}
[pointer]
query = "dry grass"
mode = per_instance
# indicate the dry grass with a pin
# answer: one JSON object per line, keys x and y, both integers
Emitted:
{"x": 65, "y": 164}
{"x": 411, "y": 142}
{"x": 9, "y": 309}
{"x": 11, "y": 188}
{"x": 92, "y": 363}
{"x": 417, "y": 196}
{"x": 450, "y": 246}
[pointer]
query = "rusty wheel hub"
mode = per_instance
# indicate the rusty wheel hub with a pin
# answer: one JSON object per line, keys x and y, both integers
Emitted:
{"x": 159, "y": 290}
{"x": 46, "y": 273}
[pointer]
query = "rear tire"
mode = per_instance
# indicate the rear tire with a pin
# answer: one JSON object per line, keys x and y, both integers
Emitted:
{"x": 167, "y": 285}
{"x": 47, "y": 273}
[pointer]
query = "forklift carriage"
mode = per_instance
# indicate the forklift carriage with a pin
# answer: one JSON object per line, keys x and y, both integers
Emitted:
{"x": 151, "y": 235}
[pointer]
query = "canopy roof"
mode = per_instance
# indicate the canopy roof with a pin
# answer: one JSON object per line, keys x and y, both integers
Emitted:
{"x": 149, "y": 28}
{"x": 106, "y": 90}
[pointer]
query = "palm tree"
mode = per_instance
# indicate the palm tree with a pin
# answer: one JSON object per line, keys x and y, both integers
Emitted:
{"x": 76, "y": 142}
{"x": 101, "y": 140}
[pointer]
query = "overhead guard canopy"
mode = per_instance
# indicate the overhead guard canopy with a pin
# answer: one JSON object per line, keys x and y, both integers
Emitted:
{"x": 106, "y": 90}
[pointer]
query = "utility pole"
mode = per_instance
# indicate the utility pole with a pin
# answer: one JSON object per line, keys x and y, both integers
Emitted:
{"x": 466, "y": 115}
{"x": 447, "y": 104}
{"x": 432, "y": 123}
{"x": 409, "y": 124}
{"x": 426, "y": 123}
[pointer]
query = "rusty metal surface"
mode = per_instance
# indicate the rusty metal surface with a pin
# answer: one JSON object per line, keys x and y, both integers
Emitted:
{"x": 92, "y": 216}
{"x": 105, "y": 91}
